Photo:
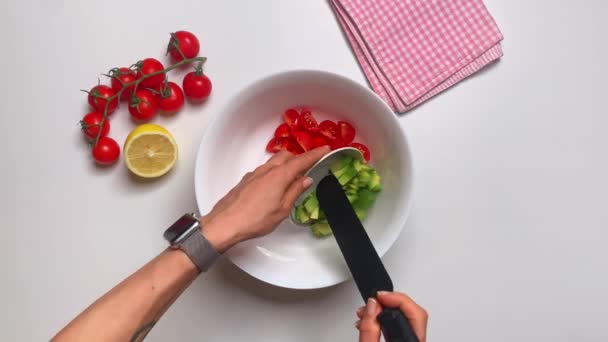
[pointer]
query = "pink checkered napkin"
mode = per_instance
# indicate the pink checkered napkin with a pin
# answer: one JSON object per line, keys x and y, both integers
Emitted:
{"x": 411, "y": 50}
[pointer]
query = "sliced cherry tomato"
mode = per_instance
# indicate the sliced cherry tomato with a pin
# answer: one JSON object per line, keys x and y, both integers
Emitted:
{"x": 290, "y": 117}
{"x": 330, "y": 130}
{"x": 147, "y": 67}
{"x": 277, "y": 144}
{"x": 90, "y": 125}
{"x": 364, "y": 150}
{"x": 122, "y": 76}
{"x": 294, "y": 147}
{"x": 307, "y": 121}
{"x": 98, "y": 97}
{"x": 282, "y": 131}
{"x": 170, "y": 98}
{"x": 106, "y": 151}
{"x": 304, "y": 139}
{"x": 319, "y": 140}
{"x": 143, "y": 105}
{"x": 186, "y": 42}
{"x": 347, "y": 132}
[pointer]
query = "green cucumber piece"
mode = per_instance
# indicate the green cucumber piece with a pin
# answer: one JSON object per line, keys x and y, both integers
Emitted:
{"x": 314, "y": 215}
{"x": 374, "y": 183}
{"x": 352, "y": 198}
{"x": 365, "y": 199}
{"x": 347, "y": 175}
{"x": 340, "y": 165}
{"x": 311, "y": 203}
{"x": 301, "y": 214}
{"x": 320, "y": 230}
{"x": 361, "y": 213}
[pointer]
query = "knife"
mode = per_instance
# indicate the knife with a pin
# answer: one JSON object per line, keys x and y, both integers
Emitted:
{"x": 361, "y": 257}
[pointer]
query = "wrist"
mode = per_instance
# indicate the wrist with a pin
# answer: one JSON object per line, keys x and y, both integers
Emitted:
{"x": 219, "y": 234}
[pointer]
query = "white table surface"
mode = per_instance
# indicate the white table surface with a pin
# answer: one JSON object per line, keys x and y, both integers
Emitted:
{"x": 508, "y": 236}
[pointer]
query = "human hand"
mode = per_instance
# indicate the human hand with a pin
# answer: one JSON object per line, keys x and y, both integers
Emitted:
{"x": 368, "y": 326}
{"x": 261, "y": 200}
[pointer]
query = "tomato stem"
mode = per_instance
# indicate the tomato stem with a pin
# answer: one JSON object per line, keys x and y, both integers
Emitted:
{"x": 135, "y": 84}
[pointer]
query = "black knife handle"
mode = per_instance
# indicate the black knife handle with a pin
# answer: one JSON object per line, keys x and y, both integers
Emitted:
{"x": 395, "y": 327}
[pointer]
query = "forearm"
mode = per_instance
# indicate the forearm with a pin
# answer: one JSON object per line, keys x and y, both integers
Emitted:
{"x": 130, "y": 310}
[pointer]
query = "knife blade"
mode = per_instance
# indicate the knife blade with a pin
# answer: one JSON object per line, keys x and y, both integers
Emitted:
{"x": 363, "y": 261}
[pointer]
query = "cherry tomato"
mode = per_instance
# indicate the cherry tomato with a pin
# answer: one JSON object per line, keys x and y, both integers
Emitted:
{"x": 171, "y": 98}
{"x": 319, "y": 140}
{"x": 364, "y": 150}
{"x": 143, "y": 105}
{"x": 186, "y": 42}
{"x": 106, "y": 151}
{"x": 293, "y": 146}
{"x": 282, "y": 131}
{"x": 277, "y": 144}
{"x": 98, "y": 96}
{"x": 147, "y": 67}
{"x": 125, "y": 75}
{"x": 307, "y": 121}
{"x": 304, "y": 140}
{"x": 290, "y": 117}
{"x": 197, "y": 86}
{"x": 330, "y": 130}
{"x": 347, "y": 132}
{"x": 90, "y": 125}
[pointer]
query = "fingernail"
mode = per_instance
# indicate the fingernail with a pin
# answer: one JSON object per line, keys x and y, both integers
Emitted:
{"x": 360, "y": 310}
{"x": 358, "y": 323}
{"x": 382, "y": 293}
{"x": 307, "y": 182}
{"x": 371, "y": 306}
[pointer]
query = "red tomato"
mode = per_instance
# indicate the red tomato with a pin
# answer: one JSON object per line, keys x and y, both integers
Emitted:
{"x": 186, "y": 42}
{"x": 197, "y": 86}
{"x": 106, "y": 151}
{"x": 143, "y": 105}
{"x": 319, "y": 140}
{"x": 277, "y": 144}
{"x": 294, "y": 147}
{"x": 90, "y": 125}
{"x": 149, "y": 66}
{"x": 171, "y": 98}
{"x": 282, "y": 131}
{"x": 330, "y": 130}
{"x": 120, "y": 76}
{"x": 347, "y": 132}
{"x": 304, "y": 140}
{"x": 364, "y": 150}
{"x": 98, "y": 97}
{"x": 290, "y": 117}
{"x": 307, "y": 121}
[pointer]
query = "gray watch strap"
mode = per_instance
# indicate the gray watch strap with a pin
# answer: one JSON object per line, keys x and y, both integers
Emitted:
{"x": 200, "y": 251}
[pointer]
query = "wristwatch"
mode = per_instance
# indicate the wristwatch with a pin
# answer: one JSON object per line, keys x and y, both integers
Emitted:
{"x": 185, "y": 234}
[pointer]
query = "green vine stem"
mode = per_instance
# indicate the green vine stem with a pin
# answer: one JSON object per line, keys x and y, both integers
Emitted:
{"x": 135, "y": 84}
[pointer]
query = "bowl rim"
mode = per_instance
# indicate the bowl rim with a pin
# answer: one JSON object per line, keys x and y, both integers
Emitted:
{"x": 226, "y": 107}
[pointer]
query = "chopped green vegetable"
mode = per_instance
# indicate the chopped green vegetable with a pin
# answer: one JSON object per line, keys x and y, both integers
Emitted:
{"x": 360, "y": 182}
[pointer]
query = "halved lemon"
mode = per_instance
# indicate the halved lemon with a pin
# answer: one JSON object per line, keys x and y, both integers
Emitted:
{"x": 150, "y": 151}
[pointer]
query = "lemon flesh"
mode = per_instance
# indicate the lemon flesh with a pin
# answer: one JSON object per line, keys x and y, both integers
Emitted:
{"x": 150, "y": 151}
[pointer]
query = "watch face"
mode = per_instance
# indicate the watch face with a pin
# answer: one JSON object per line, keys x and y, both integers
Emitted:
{"x": 184, "y": 225}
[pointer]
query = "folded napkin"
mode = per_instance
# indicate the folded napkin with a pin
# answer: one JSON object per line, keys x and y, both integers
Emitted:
{"x": 411, "y": 50}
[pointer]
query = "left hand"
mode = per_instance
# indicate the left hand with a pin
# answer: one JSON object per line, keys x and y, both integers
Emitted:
{"x": 261, "y": 200}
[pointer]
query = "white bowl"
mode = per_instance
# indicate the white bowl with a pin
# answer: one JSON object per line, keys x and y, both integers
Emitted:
{"x": 235, "y": 143}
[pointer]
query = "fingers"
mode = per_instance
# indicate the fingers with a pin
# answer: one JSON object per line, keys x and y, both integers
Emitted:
{"x": 414, "y": 313}
{"x": 301, "y": 163}
{"x": 369, "y": 328}
{"x": 280, "y": 158}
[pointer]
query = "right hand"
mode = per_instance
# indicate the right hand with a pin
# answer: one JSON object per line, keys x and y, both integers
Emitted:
{"x": 368, "y": 326}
